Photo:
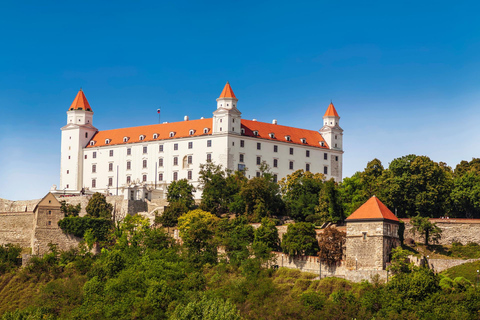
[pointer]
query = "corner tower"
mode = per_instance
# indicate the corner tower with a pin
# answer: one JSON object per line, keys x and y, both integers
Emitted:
{"x": 75, "y": 136}
{"x": 331, "y": 131}
{"x": 227, "y": 118}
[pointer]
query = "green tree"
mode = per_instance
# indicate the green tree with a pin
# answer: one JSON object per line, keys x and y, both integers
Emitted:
{"x": 180, "y": 201}
{"x": 331, "y": 243}
{"x": 465, "y": 195}
{"x": 467, "y": 166}
{"x": 236, "y": 237}
{"x": 267, "y": 233}
{"x": 300, "y": 239}
{"x": 98, "y": 207}
{"x": 207, "y": 309}
{"x": 69, "y": 209}
{"x": 400, "y": 263}
{"x": 426, "y": 229}
{"x": 330, "y": 208}
{"x": 213, "y": 182}
{"x": 300, "y": 192}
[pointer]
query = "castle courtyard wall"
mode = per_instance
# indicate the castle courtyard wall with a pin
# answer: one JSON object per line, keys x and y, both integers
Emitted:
{"x": 16, "y": 228}
{"x": 453, "y": 230}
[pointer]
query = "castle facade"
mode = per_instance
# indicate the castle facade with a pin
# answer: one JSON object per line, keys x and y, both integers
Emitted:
{"x": 140, "y": 162}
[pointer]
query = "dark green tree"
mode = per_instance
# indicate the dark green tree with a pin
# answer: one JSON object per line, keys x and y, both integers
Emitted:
{"x": 69, "y": 209}
{"x": 180, "y": 201}
{"x": 465, "y": 195}
{"x": 426, "y": 229}
{"x": 98, "y": 207}
{"x": 330, "y": 208}
{"x": 300, "y": 239}
{"x": 236, "y": 237}
{"x": 467, "y": 166}
{"x": 267, "y": 233}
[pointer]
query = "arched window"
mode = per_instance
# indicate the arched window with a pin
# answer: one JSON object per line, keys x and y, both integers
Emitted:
{"x": 155, "y": 135}
{"x": 92, "y": 143}
{"x": 191, "y": 132}
{"x": 142, "y": 137}
{"x": 272, "y": 135}
{"x": 205, "y": 130}
{"x": 287, "y": 138}
{"x": 107, "y": 141}
{"x": 255, "y": 133}
{"x": 125, "y": 139}
{"x": 172, "y": 134}
{"x": 303, "y": 140}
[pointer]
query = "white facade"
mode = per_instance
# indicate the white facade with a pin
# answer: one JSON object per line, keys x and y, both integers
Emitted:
{"x": 111, "y": 161}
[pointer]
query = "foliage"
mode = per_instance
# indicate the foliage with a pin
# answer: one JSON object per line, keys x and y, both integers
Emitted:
{"x": 330, "y": 208}
{"x": 469, "y": 251}
{"x": 206, "y": 309}
{"x": 9, "y": 254}
{"x": 69, "y": 209}
{"x": 400, "y": 263}
{"x": 267, "y": 233}
{"x": 300, "y": 239}
{"x": 98, "y": 207}
{"x": 78, "y": 226}
{"x": 300, "y": 192}
{"x": 235, "y": 236}
{"x": 426, "y": 228}
{"x": 181, "y": 192}
{"x": 331, "y": 242}
{"x": 465, "y": 195}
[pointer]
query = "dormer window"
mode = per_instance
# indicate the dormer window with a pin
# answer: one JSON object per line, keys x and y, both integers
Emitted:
{"x": 243, "y": 131}
{"x": 272, "y": 135}
{"x": 322, "y": 144}
{"x": 107, "y": 141}
{"x": 191, "y": 132}
{"x": 142, "y": 137}
{"x": 287, "y": 138}
{"x": 303, "y": 140}
{"x": 172, "y": 134}
{"x": 125, "y": 139}
{"x": 205, "y": 130}
{"x": 92, "y": 143}
{"x": 155, "y": 136}
{"x": 255, "y": 133}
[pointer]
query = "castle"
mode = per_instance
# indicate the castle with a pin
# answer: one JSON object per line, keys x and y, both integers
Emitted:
{"x": 140, "y": 162}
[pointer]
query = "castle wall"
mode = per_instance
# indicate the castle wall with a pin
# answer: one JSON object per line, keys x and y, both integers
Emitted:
{"x": 453, "y": 230}
{"x": 16, "y": 228}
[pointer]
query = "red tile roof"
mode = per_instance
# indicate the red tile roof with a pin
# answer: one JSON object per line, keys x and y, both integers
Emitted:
{"x": 182, "y": 130}
{"x": 331, "y": 112}
{"x": 372, "y": 209}
{"x": 80, "y": 102}
{"x": 227, "y": 92}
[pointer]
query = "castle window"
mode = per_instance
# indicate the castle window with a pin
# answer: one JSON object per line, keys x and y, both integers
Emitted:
{"x": 85, "y": 157}
{"x": 205, "y": 130}
{"x": 160, "y": 177}
{"x": 275, "y": 148}
{"x": 175, "y": 161}
{"x": 49, "y": 212}
{"x": 129, "y": 151}
{"x": 68, "y": 171}
{"x": 220, "y": 120}
{"x": 243, "y": 131}
{"x": 110, "y": 166}
{"x": 175, "y": 146}
{"x": 111, "y": 153}
{"x": 259, "y": 146}
{"x": 336, "y": 158}
{"x": 172, "y": 134}
{"x": 175, "y": 176}
{"x": 290, "y": 165}
{"x": 233, "y": 128}
{"x": 307, "y": 153}
{"x": 242, "y": 143}
{"x": 49, "y": 223}
{"x": 272, "y": 135}
{"x": 287, "y": 138}
{"x": 209, "y": 157}
{"x": 325, "y": 156}
{"x": 68, "y": 186}
{"x": 191, "y": 132}
{"x": 125, "y": 139}
{"x": 160, "y": 162}
{"x": 189, "y": 175}
{"x": 129, "y": 179}
{"x": 307, "y": 167}
{"x": 141, "y": 138}
{"x": 220, "y": 128}
{"x": 129, "y": 165}
{"x": 322, "y": 144}
{"x": 275, "y": 178}
{"x": 86, "y": 134}
{"x": 190, "y": 145}
{"x": 160, "y": 148}
{"x": 258, "y": 174}
{"x": 92, "y": 143}
{"x": 291, "y": 150}
{"x": 335, "y": 145}
{"x": 107, "y": 141}
{"x": 303, "y": 140}
{"x": 94, "y": 168}
{"x": 155, "y": 135}
{"x": 209, "y": 143}
{"x": 335, "y": 137}
{"x": 255, "y": 133}
{"x": 144, "y": 178}
{"x": 94, "y": 183}
{"x": 190, "y": 159}
{"x": 144, "y": 164}
{"x": 275, "y": 163}
{"x": 242, "y": 157}
{"x": 94, "y": 154}
{"x": 233, "y": 120}
{"x": 325, "y": 170}
{"x": 110, "y": 181}
{"x": 145, "y": 149}
{"x": 364, "y": 234}
{"x": 259, "y": 160}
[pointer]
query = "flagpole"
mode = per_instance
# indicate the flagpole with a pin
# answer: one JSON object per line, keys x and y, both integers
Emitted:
{"x": 158, "y": 111}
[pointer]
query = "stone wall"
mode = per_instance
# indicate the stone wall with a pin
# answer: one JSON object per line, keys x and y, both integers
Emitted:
{"x": 16, "y": 228}
{"x": 308, "y": 264}
{"x": 18, "y": 206}
{"x": 453, "y": 230}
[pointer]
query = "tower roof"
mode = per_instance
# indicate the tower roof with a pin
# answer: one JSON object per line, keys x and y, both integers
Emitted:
{"x": 331, "y": 112}
{"x": 373, "y": 209}
{"x": 80, "y": 102}
{"x": 227, "y": 92}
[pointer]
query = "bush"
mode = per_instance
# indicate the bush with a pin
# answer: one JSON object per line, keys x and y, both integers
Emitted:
{"x": 78, "y": 226}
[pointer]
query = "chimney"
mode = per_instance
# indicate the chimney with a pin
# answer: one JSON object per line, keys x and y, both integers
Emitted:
{"x": 274, "y": 121}
{"x": 254, "y": 120}
{"x": 202, "y": 117}
{"x": 185, "y": 118}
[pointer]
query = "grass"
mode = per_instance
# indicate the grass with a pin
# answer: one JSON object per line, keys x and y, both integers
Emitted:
{"x": 466, "y": 270}
{"x": 455, "y": 251}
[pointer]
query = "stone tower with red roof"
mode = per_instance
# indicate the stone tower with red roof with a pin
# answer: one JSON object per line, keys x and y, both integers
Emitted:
{"x": 372, "y": 232}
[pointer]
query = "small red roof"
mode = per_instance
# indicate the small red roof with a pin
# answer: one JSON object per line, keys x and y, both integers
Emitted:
{"x": 227, "y": 92}
{"x": 331, "y": 112}
{"x": 372, "y": 209}
{"x": 80, "y": 102}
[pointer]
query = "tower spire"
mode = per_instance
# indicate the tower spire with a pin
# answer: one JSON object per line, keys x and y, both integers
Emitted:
{"x": 80, "y": 102}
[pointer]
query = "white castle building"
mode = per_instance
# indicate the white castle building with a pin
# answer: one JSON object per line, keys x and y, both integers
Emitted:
{"x": 147, "y": 158}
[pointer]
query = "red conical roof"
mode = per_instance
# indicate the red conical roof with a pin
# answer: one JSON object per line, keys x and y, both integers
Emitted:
{"x": 371, "y": 210}
{"x": 227, "y": 92}
{"x": 331, "y": 112}
{"x": 80, "y": 102}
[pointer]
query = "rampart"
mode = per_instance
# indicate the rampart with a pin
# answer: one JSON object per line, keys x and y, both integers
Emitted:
{"x": 453, "y": 230}
{"x": 16, "y": 228}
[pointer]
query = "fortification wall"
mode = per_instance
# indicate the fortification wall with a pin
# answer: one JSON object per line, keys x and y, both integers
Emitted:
{"x": 17, "y": 206}
{"x": 308, "y": 264}
{"x": 44, "y": 236}
{"x": 16, "y": 228}
{"x": 453, "y": 230}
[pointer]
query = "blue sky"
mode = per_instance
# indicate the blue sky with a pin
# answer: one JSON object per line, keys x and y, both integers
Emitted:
{"x": 404, "y": 76}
